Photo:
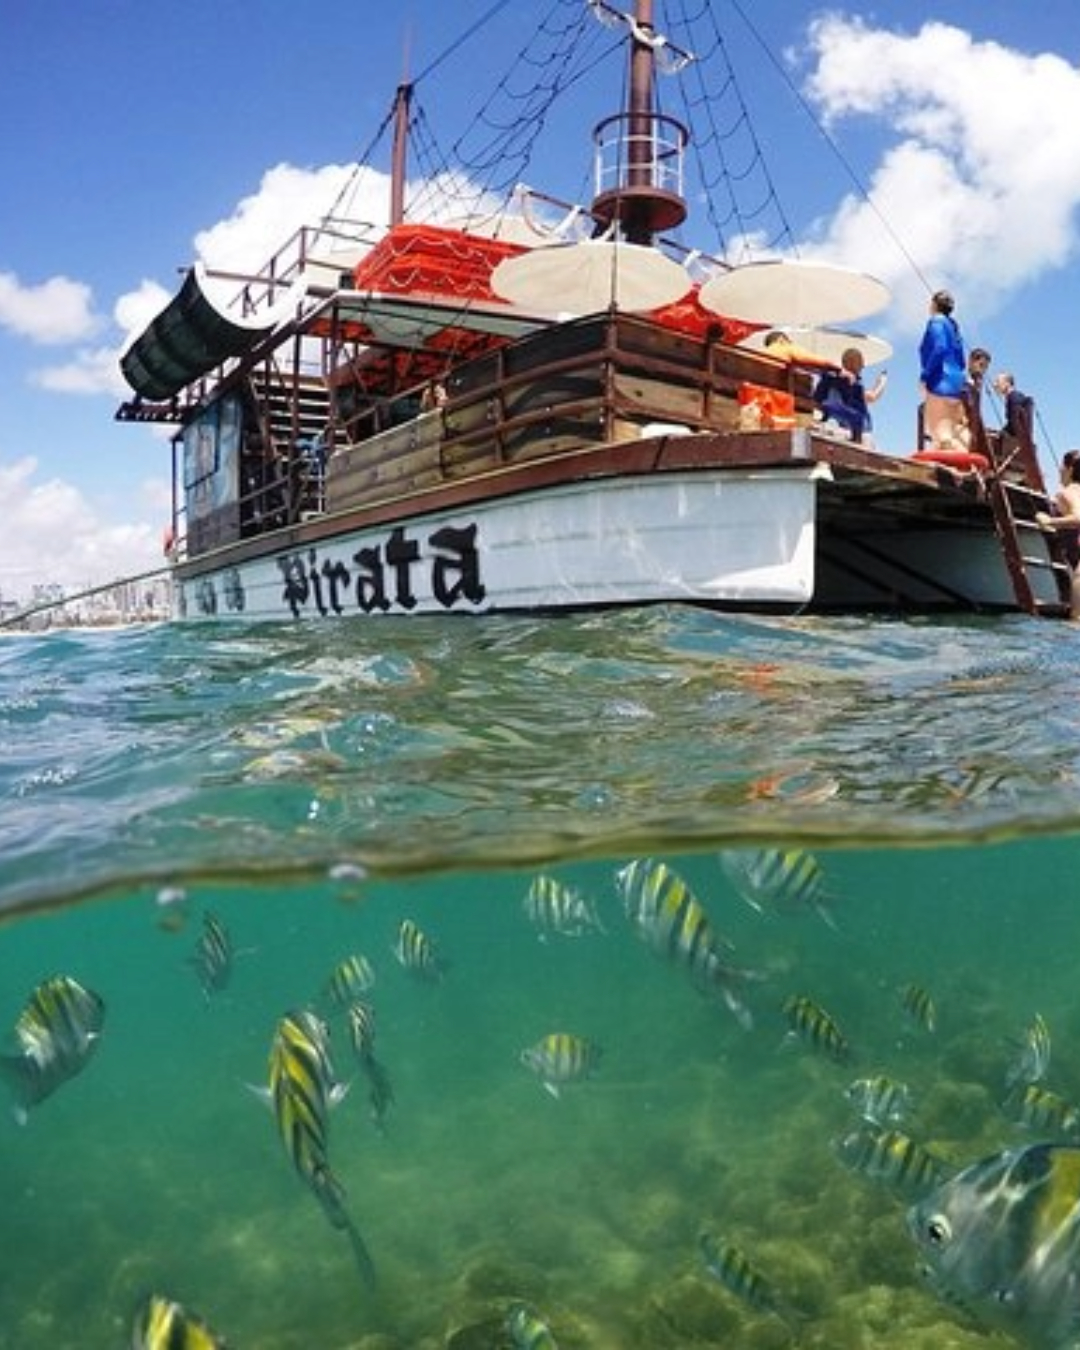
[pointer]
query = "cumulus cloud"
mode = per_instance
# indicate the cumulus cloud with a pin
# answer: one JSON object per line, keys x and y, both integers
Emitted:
{"x": 52, "y": 533}
{"x": 55, "y": 311}
{"x": 981, "y": 184}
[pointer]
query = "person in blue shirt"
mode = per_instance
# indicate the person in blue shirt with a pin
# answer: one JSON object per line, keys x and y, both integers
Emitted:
{"x": 943, "y": 373}
{"x": 844, "y": 399}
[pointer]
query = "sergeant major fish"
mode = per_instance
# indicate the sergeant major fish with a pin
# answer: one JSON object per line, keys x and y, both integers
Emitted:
{"x": 1032, "y": 1060}
{"x": 554, "y": 908}
{"x": 302, "y": 1089}
{"x": 527, "y": 1331}
{"x": 361, "y": 1020}
{"x": 352, "y": 976}
{"x": 1001, "y": 1240}
{"x": 416, "y": 952}
{"x": 778, "y": 880}
{"x": 809, "y": 1022}
{"x": 892, "y": 1159}
{"x": 879, "y": 1100}
{"x": 161, "y": 1324}
{"x": 730, "y": 1266}
{"x": 919, "y": 1007}
{"x": 56, "y": 1033}
{"x": 672, "y": 921}
{"x": 212, "y": 958}
{"x": 561, "y": 1058}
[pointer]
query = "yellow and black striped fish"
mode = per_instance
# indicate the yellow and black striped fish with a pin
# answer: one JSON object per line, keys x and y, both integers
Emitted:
{"x": 302, "y": 1089}
{"x": 728, "y": 1264}
{"x": 416, "y": 952}
{"x": 561, "y": 1058}
{"x": 778, "y": 880}
{"x": 672, "y": 921}
{"x": 1037, "y": 1108}
{"x": 1032, "y": 1060}
{"x": 361, "y": 1020}
{"x": 554, "y": 908}
{"x": 351, "y": 977}
{"x": 528, "y": 1331}
{"x": 809, "y": 1022}
{"x": 892, "y": 1159}
{"x": 213, "y": 955}
{"x": 161, "y": 1324}
{"x": 880, "y": 1100}
{"x": 919, "y": 1007}
{"x": 56, "y": 1032}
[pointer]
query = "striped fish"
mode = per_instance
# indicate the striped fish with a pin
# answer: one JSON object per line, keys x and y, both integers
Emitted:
{"x": 810, "y": 1023}
{"x": 416, "y": 952}
{"x": 361, "y": 1021}
{"x": 554, "y": 908}
{"x": 730, "y": 1266}
{"x": 561, "y": 1058}
{"x": 879, "y": 1100}
{"x": 1037, "y": 1108}
{"x": 302, "y": 1090}
{"x": 161, "y": 1324}
{"x": 213, "y": 956}
{"x": 672, "y": 921}
{"x": 1032, "y": 1060}
{"x": 527, "y": 1331}
{"x": 892, "y": 1159}
{"x": 56, "y": 1032}
{"x": 778, "y": 880}
{"x": 919, "y": 1007}
{"x": 351, "y": 977}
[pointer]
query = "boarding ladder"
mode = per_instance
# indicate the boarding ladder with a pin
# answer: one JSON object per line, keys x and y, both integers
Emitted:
{"x": 1016, "y": 491}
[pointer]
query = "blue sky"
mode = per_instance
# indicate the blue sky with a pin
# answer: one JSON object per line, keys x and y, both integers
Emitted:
{"x": 140, "y": 136}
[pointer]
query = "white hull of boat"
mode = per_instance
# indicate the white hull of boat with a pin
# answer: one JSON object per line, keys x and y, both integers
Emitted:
{"x": 731, "y": 538}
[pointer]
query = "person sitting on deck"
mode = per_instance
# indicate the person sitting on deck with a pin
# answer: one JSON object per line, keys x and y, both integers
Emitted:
{"x": 842, "y": 397}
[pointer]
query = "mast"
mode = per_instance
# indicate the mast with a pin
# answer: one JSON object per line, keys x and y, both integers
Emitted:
{"x": 398, "y": 162}
{"x": 638, "y": 153}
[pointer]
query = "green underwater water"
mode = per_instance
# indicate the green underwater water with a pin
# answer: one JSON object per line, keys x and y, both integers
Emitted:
{"x": 930, "y": 768}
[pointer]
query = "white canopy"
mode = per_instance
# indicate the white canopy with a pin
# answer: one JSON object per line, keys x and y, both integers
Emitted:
{"x": 786, "y": 291}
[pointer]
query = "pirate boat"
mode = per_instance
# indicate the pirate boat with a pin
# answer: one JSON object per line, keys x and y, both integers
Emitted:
{"x": 546, "y": 406}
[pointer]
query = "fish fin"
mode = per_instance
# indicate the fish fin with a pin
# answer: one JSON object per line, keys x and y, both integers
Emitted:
{"x": 338, "y": 1092}
{"x": 553, "y": 1088}
{"x": 263, "y": 1093}
{"x": 20, "y": 1115}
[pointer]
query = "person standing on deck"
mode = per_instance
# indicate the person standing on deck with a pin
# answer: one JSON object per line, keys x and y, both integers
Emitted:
{"x": 943, "y": 374}
{"x": 1065, "y": 521}
{"x": 1019, "y": 408}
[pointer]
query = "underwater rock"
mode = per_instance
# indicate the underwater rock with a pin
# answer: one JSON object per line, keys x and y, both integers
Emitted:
{"x": 487, "y": 1334}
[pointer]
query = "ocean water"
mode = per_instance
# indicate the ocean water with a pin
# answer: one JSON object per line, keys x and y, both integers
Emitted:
{"x": 314, "y": 786}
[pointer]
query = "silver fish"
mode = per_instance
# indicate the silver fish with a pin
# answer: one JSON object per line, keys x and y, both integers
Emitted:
{"x": 731, "y": 1267}
{"x": 1001, "y": 1240}
{"x": 1037, "y": 1108}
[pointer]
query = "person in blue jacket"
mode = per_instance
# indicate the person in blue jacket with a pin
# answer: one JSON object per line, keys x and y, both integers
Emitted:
{"x": 943, "y": 373}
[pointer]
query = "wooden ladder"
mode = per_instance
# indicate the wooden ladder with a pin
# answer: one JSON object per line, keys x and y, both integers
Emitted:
{"x": 1016, "y": 491}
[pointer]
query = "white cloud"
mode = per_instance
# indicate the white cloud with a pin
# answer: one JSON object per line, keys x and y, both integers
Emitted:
{"x": 53, "y": 534}
{"x": 54, "y": 311}
{"x": 982, "y": 182}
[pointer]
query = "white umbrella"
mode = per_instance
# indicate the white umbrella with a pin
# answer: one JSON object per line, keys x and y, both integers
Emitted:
{"x": 786, "y": 291}
{"x": 827, "y": 343}
{"x": 593, "y": 275}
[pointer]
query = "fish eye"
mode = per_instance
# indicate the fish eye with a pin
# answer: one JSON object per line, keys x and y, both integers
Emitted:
{"x": 938, "y": 1230}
